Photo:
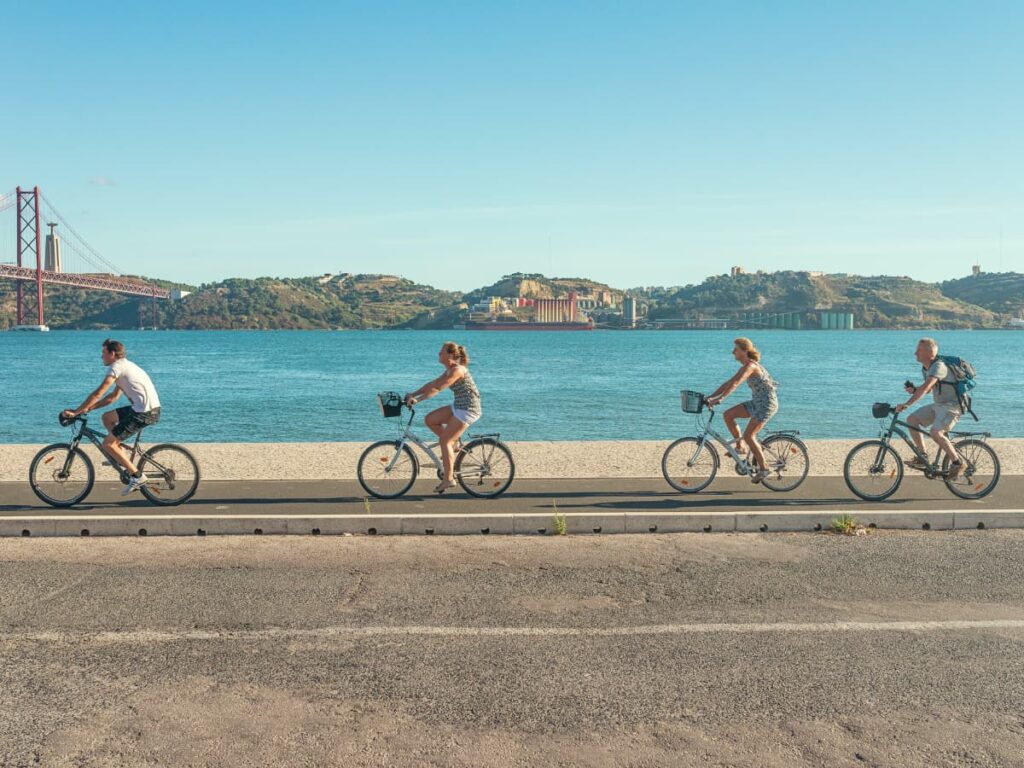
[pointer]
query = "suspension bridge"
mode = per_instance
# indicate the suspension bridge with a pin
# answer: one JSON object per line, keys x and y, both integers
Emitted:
{"x": 61, "y": 257}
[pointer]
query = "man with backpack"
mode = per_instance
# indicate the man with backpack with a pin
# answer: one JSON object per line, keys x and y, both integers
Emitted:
{"x": 947, "y": 381}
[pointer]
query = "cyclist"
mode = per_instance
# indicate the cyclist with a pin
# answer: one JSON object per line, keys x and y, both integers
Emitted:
{"x": 449, "y": 422}
{"x": 759, "y": 409}
{"x": 121, "y": 423}
{"x": 944, "y": 411}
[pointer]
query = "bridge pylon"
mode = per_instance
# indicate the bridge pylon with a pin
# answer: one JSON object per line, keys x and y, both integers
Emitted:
{"x": 28, "y": 240}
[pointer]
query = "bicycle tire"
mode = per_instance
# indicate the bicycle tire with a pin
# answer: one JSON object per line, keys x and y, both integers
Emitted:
{"x": 893, "y": 467}
{"x": 41, "y": 460}
{"x": 679, "y": 452}
{"x": 490, "y": 483}
{"x": 796, "y": 451}
{"x": 373, "y": 458}
{"x": 160, "y": 488}
{"x": 968, "y": 450}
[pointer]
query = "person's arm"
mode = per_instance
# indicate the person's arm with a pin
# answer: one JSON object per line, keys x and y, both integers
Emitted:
{"x": 94, "y": 399}
{"x": 432, "y": 388}
{"x": 924, "y": 389}
{"x": 731, "y": 385}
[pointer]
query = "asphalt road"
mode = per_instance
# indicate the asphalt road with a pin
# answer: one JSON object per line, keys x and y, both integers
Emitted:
{"x": 598, "y": 495}
{"x": 888, "y": 649}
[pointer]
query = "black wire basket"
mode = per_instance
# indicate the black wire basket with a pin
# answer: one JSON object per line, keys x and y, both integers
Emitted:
{"x": 693, "y": 402}
{"x": 390, "y": 404}
{"x": 881, "y": 410}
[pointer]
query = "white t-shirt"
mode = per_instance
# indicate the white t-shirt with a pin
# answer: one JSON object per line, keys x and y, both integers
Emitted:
{"x": 135, "y": 384}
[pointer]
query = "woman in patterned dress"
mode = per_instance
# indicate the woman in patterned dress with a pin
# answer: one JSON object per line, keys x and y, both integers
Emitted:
{"x": 761, "y": 407}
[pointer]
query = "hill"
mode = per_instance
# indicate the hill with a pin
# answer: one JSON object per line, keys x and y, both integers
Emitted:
{"x": 997, "y": 291}
{"x": 876, "y": 302}
{"x": 536, "y": 286}
{"x": 333, "y": 301}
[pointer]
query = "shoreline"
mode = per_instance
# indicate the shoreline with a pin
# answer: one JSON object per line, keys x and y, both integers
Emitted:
{"x": 534, "y": 460}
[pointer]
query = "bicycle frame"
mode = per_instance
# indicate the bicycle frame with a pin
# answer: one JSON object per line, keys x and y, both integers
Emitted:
{"x": 744, "y": 467}
{"x": 408, "y": 436}
{"x": 894, "y": 429}
{"x": 96, "y": 438}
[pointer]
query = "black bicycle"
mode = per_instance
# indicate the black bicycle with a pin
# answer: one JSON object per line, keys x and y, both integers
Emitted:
{"x": 874, "y": 470}
{"x": 62, "y": 475}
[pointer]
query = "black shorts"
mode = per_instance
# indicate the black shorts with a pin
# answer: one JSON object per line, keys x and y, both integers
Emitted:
{"x": 129, "y": 422}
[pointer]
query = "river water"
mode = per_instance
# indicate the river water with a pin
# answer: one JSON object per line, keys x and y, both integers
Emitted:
{"x": 270, "y": 386}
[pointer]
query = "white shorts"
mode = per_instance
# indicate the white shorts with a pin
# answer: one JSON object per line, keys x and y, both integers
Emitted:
{"x": 464, "y": 416}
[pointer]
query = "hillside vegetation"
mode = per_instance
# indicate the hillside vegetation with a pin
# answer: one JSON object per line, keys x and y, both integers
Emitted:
{"x": 876, "y": 302}
{"x": 348, "y": 301}
{"x": 387, "y": 301}
{"x": 998, "y": 291}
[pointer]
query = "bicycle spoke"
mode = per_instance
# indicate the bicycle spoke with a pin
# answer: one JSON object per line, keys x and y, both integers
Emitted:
{"x": 980, "y": 473}
{"x": 172, "y": 474}
{"x": 873, "y": 471}
{"x": 485, "y": 468}
{"x": 387, "y": 470}
{"x": 61, "y": 477}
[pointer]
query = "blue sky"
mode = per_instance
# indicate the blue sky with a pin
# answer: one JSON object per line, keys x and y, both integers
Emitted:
{"x": 637, "y": 143}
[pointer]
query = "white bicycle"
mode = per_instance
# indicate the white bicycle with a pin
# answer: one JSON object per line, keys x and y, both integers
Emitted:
{"x": 388, "y": 468}
{"x": 691, "y": 463}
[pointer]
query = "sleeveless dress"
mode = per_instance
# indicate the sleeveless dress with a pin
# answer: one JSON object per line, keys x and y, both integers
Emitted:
{"x": 467, "y": 406}
{"x": 765, "y": 403}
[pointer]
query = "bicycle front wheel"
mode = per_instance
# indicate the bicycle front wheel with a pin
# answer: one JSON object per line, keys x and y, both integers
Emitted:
{"x": 787, "y": 462}
{"x": 980, "y": 473}
{"x": 387, "y": 469}
{"x": 173, "y": 475}
{"x": 61, "y": 476}
{"x": 689, "y": 465}
{"x": 873, "y": 470}
{"x": 485, "y": 468}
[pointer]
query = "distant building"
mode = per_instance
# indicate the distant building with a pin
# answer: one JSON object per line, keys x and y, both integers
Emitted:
{"x": 177, "y": 295}
{"x": 556, "y": 310}
{"x": 629, "y": 311}
{"x": 734, "y": 271}
{"x": 976, "y": 270}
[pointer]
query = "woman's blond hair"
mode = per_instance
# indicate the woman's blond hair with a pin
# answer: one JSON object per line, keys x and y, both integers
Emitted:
{"x": 747, "y": 346}
{"x": 457, "y": 351}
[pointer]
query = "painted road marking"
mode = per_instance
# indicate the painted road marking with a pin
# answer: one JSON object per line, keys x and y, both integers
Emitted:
{"x": 282, "y": 633}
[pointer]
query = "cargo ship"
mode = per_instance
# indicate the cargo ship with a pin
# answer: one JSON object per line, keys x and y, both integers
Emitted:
{"x": 518, "y": 325}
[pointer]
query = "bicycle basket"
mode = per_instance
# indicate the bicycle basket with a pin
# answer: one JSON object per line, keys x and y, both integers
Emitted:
{"x": 390, "y": 404}
{"x": 881, "y": 410}
{"x": 693, "y": 402}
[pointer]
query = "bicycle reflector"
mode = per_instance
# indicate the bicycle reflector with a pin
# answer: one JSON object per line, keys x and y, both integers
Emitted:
{"x": 390, "y": 404}
{"x": 881, "y": 410}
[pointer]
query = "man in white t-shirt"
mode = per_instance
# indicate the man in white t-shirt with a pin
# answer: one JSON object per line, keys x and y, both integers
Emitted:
{"x": 129, "y": 379}
{"x": 944, "y": 411}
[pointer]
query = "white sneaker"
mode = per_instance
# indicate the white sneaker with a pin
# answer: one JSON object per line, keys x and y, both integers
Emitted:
{"x": 134, "y": 484}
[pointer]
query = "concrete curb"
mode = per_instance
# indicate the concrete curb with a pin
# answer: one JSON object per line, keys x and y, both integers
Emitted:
{"x": 507, "y": 524}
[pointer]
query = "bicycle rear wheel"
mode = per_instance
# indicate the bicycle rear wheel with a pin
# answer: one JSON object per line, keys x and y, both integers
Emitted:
{"x": 787, "y": 462}
{"x": 61, "y": 476}
{"x": 172, "y": 472}
{"x": 485, "y": 468}
{"x": 980, "y": 473}
{"x": 873, "y": 470}
{"x": 387, "y": 469}
{"x": 688, "y": 466}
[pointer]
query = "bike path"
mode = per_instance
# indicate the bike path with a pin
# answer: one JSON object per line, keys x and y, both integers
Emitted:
{"x": 589, "y": 506}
